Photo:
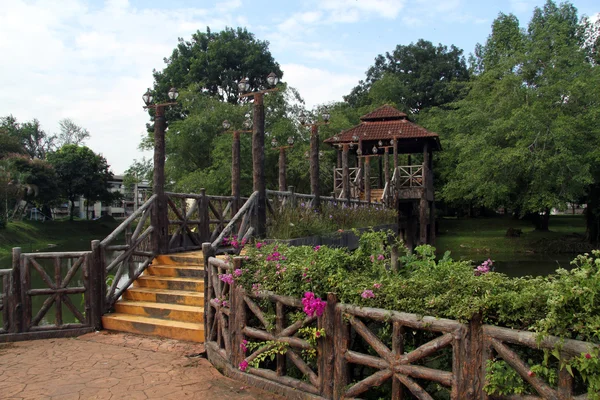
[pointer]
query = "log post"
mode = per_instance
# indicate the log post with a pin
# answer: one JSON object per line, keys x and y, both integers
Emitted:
{"x": 367, "y": 165}
{"x": 160, "y": 218}
{"x": 25, "y": 298}
{"x": 203, "y": 212}
{"x": 342, "y": 343}
{"x": 279, "y": 326}
{"x": 395, "y": 154}
{"x": 237, "y": 319}
{"x": 314, "y": 166}
{"x": 327, "y": 348}
{"x": 468, "y": 352}
{"x": 97, "y": 285}
{"x": 282, "y": 169}
{"x": 258, "y": 165}
{"x": 424, "y": 204}
{"x": 207, "y": 251}
{"x": 292, "y": 197}
{"x": 235, "y": 172}
{"x": 15, "y": 307}
{"x": 345, "y": 173}
{"x": 386, "y": 166}
{"x": 339, "y": 157}
{"x": 398, "y": 350}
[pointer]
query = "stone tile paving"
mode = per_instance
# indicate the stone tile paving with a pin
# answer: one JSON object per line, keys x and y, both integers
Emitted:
{"x": 106, "y": 365}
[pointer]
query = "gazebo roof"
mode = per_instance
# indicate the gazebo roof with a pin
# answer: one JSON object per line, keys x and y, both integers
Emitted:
{"x": 385, "y": 123}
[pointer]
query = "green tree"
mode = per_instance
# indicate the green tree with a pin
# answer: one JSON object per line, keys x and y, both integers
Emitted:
{"x": 216, "y": 62}
{"x": 524, "y": 137}
{"x": 81, "y": 172}
{"x": 413, "y": 77}
{"x": 30, "y": 135}
{"x": 138, "y": 172}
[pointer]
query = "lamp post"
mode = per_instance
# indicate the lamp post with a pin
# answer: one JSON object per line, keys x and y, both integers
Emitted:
{"x": 282, "y": 160}
{"x": 258, "y": 148}
{"x": 160, "y": 219}
{"x": 235, "y": 159}
{"x": 314, "y": 154}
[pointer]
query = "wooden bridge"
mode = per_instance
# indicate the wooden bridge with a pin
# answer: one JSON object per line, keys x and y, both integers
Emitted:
{"x": 124, "y": 282}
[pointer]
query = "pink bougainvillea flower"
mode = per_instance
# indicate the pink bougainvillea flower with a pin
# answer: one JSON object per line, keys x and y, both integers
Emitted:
{"x": 313, "y": 305}
{"x": 380, "y": 257}
{"x": 588, "y": 356}
{"x": 530, "y": 373}
{"x": 243, "y": 366}
{"x": 259, "y": 245}
{"x": 316, "y": 248}
{"x": 377, "y": 285}
{"x": 227, "y": 278}
{"x": 372, "y": 257}
{"x": 238, "y": 272}
{"x": 367, "y": 294}
{"x": 244, "y": 345}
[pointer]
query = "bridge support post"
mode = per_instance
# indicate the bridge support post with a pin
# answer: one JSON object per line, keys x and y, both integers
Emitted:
{"x": 97, "y": 284}
{"x": 345, "y": 173}
{"x": 258, "y": 165}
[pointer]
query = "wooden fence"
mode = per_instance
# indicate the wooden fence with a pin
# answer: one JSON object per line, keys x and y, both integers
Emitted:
{"x": 364, "y": 349}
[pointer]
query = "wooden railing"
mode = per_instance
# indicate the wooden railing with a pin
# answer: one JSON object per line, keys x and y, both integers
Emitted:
{"x": 240, "y": 225}
{"x": 390, "y": 191}
{"x": 365, "y": 351}
{"x": 124, "y": 263}
{"x": 278, "y": 200}
{"x": 409, "y": 176}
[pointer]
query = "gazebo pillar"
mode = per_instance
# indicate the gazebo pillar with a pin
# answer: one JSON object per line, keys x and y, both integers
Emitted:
{"x": 395, "y": 154}
{"x": 367, "y": 165}
{"x": 424, "y": 210}
{"x": 386, "y": 165}
{"x": 345, "y": 172}
{"x": 339, "y": 157}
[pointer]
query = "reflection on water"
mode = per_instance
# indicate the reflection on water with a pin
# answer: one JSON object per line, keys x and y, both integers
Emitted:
{"x": 522, "y": 264}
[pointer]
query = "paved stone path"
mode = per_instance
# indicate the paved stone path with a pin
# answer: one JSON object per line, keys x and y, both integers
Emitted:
{"x": 113, "y": 366}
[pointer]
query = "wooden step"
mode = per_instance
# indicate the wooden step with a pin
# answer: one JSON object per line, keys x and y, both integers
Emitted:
{"x": 165, "y": 282}
{"x": 193, "y": 332}
{"x": 191, "y": 258}
{"x": 184, "y": 271}
{"x": 172, "y": 312}
{"x": 165, "y": 296}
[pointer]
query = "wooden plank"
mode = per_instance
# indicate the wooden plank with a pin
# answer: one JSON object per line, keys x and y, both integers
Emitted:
{"x": 128, "y": 221}
{"x": 374, "y": 380}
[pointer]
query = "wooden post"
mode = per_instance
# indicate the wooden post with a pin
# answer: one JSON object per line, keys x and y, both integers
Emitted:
{"x": 395, "y": 154}
{"x": 342, "y": 343}
{"x": 339, "y": 157}
{"x": 398, "y": 350}
{"x": 207, "y": 251}
{"x": 282, "y": 169}
{"x": 345, "y": 173}
{"x": 203, "y": 212}
{"x": 292, "y": 197}
{"x": 235, "y": 172}
{"x": 25, "y": 298}
{"x": 314, "y": 165}
{"x": 424, "y": 205}
{"x": 386, "y": 165}
{"x": 258, "y": 165}
{"x": 160, "y": 219}
{"x": 380, "y": 175}
{"x": 97, "y": 284}
{"x": 367, "y": 165}
{"x": 469, "y": 351}
{"x": 237, "y": 319}
{"x": 327, "y": 348}
{"x": 15, "y": 307}
{"x": 359, "y": 162}
{"x": 279, "y": 326}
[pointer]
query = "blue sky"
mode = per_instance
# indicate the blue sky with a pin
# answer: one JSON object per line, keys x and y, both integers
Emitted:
{"x": 92, "y": 60}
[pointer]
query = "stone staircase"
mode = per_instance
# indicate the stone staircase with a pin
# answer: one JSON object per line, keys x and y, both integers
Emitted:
{"x": 167, "y": 300}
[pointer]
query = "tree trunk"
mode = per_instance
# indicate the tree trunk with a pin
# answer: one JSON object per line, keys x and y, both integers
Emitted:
{"x": 592, "y": 215}
{"x": 72, "y": 210}
{"x": 541, "y": 220}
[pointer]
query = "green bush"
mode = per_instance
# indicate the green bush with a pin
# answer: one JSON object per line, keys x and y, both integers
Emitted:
{"x": 564, "y": 304}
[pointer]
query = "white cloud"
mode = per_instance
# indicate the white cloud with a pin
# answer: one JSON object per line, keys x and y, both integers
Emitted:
{"x": 91, "y": 65}
{"x": 355, "y": 10}
{"x": 317, "y": 85}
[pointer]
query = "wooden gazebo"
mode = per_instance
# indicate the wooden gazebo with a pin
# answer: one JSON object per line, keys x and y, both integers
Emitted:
{"x": 382, "y": 133}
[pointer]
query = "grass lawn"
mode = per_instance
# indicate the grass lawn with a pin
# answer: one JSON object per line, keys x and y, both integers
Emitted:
{"x": 486, "y": 236}
{"x": 34, "y": 236}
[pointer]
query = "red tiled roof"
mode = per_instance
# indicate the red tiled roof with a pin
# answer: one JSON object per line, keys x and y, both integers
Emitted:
{"x": 381, "y": 130}
{"x": 383, "y": 112}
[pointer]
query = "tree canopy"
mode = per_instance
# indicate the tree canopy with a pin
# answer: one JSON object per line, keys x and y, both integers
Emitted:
{"x": 81, "y": 172}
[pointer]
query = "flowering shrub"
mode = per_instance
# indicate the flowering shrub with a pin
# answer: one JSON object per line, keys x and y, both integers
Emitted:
{"x": 564, "y": 304}
{"x": 234, "y": 242}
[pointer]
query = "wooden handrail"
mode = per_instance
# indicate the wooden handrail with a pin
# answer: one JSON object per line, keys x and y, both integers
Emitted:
{"x": 114, "y": 234}
{"x": 234, "y": 220}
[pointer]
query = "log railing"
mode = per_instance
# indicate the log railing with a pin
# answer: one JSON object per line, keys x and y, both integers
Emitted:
{"x": 409, "y": 176}
{"x": 240, "y": 225}
{"x": 278, "y": 200}
{"x": 390, "y": 193}
{"x": 124, "y": 263}
{"x": 365, "y": 351}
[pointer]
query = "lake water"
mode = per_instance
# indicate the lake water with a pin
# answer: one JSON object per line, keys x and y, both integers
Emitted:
{"x": 523, "y": 264}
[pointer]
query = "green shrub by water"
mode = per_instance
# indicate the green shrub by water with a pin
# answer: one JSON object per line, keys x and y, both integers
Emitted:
{"x": 564, "y": 304}
{"x": 301, "y": 221}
